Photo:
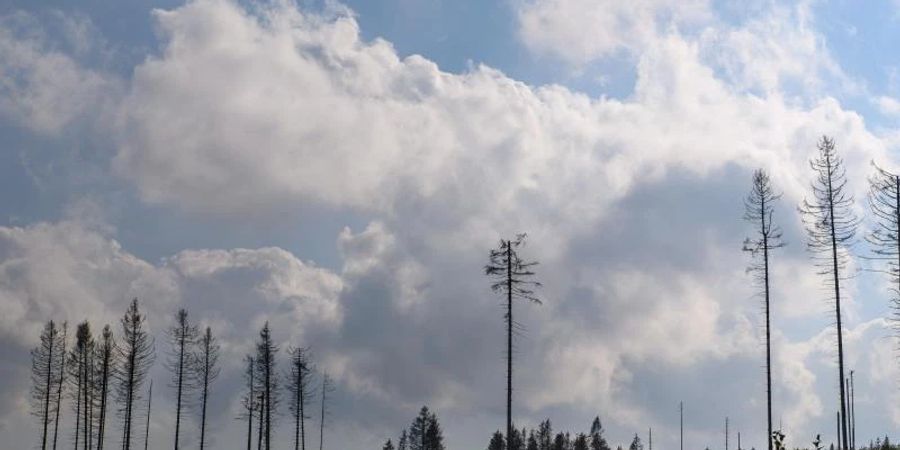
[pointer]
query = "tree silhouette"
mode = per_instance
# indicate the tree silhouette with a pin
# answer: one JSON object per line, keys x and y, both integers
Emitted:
{"x": 636, "y": 443}
{"x": 545, "y": 435}
{"x": 388, "y": 445}
{"x": 512, "y": 276}
{"x": 46, "y": 360}
{"x": 182, "y": 336}
{"x": 425, "y": 432}
{"x": 206, "y": 371}
{"x": 299, "y": 388}
{"x": 497, "y": 442}
{"x": 581, "y": 442}
{"x": 136, "y": 355}
{"x": 268, "y": 381}
{"x": 80, "y": 369}
{"x": 532, "y": 441}
{"x": 248, "y": 401}
{"x": 884, "y": 202}
{"x": 759, "y": 206}
{"x": 327, "y": 388}
{"x": 106, "y": 365}
{"x": 147, "y": 426}
{"x": 61, "y": 382}
{"x": 598, "y": 442}
{"x": 403, "y": 442}
{"x": 831, "y": 229}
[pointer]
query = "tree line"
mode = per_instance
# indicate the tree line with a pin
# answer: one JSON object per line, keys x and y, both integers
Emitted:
{"x": 831, "y": 225}
{"x": 91, "y": 369}
{"x": 96, "y": 375}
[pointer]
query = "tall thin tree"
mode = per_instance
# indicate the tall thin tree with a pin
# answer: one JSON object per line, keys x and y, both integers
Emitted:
{"x": 147, "y": 426}
{"x": 759, "y": 208}
{"x": 105, "y": 367}
{"x": 831, "y": 228}
{"x": 248, "y": 401}
{"x": 80, "y": 365}
{"x": 266, "y": 350}
{"x": 300, "y": 390}
{"x": 206, "y": 372}
{"x": 327, "y": 388}
{"x": 61, "y": 382}
{"x": 182, "y": 336}
{"x": 513, "y": 277}
{"x": 136, "y": 355}
{"x": 884, "y": 202}
{"x": 45, "y": 361}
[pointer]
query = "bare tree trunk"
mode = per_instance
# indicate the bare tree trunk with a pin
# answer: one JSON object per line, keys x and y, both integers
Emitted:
{"x": 147, "y": 429}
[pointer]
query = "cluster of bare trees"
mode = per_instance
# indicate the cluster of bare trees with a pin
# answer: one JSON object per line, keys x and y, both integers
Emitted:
{"x": 266, "y": 389}
{"x": 87, "y": 374}
{"x": 831, "y": 227}
{"x": 92, "y": 372}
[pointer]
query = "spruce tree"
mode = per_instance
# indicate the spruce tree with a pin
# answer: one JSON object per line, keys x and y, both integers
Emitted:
{"x": 206, "y": 370}
{"x": 497, "y": 441}
{"x": 831, "y": 229}
{"x": 598, "y": 442}
{"x": 299, "y": 384}
{"x": 135, "y": 355}
{"x": 182, "y": 336}
{"x": 46, "y": 360}
{"x": 759, "y": 208}
{"x": 61, "y": 381}
{"x": 513, "y": 277}
{"x": 106, "y": 366}
{"x": 266, "y": 351}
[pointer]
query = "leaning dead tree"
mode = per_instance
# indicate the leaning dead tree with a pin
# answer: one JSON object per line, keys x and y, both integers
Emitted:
{"x": 299, "y": 385}
{"x": 182, "y": 335}
{"x": 759, "y": 208}
{"x": 884, "y": 202}
{"x": 205, "y": 372}
{"x": 513, "y": 277}
{"x": 136, "y": 354}
{"x": 327, "y": 388}
{"x": 831, "y": 229}
{"x": 61, "y": 382}
{"x": 46, "y": 360}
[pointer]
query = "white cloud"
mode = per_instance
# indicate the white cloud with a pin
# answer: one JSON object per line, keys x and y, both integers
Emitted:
{"x": 241, "y": 113}
{"x": 579, "y": 31}
{"x": 45, "y": 88}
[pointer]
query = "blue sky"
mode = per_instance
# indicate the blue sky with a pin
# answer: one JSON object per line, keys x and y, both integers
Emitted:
{"x": 341, "y": 170}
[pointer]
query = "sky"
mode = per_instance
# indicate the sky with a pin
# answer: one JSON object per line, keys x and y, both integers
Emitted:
{"x": 341, "y": 171}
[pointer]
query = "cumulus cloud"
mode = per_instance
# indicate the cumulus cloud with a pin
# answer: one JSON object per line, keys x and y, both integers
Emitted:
{"x": 632, "y": 207}
{"x": 579, "y": 31}
{"x": 42, "y": 85}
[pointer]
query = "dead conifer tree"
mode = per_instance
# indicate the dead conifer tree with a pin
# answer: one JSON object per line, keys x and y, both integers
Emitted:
{"x": 80, "y": 370}
{"x": 135, "y": 355}
{"x": 105, "y": 367}
{"x": 206, "y": 371}
{"x": 46, "y": 360}
{"x": 759, "y": 207}
{"x": 884, "y": 202}
{"x": 327, "y": 388}
{"x": 182, "y": 336}
{"x": 512, "y": 276}
{"x": 61, "y": 382}
{"x": 268, "y": 381}
{"x": 300, "y": 391}
{"x": 831, "y": 230}
{"x": 248, "y": 400}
